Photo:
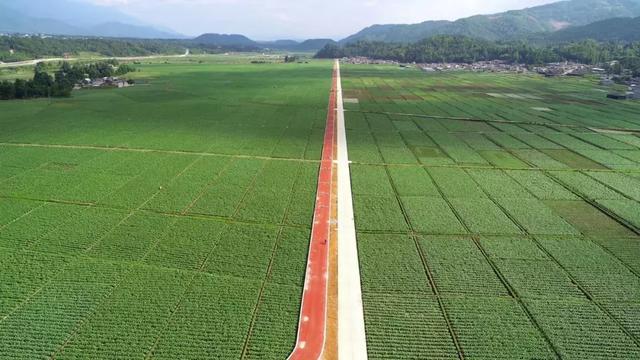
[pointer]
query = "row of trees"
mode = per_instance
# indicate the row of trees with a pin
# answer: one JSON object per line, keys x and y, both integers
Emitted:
{"x": 447, "y": 48}
{"x": 18, "y": 48}
{"x": 34, "y": 47}
{"x": 62, "y": 82}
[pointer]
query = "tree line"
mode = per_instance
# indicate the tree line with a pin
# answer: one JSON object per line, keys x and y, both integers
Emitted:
{"x": 35, "y": 47}
{"x": 462, "y": 49}
{"x": 62, "y": 82}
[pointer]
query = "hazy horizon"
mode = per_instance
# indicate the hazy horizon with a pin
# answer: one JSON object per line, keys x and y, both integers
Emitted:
{"x": 280, "y": 19}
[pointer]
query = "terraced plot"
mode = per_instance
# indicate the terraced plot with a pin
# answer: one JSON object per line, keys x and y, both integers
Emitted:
{"x": 170, "y": 220}
{"x": 488, "y": 229}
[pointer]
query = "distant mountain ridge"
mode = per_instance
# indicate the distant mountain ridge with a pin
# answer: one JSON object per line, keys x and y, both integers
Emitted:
{"x": 73, "y": 18}
{"x": 616, "y": 29}
{"x": 508, "y": 25}
{"x": 225, "y": 40}
{"x": 243, "y": 41}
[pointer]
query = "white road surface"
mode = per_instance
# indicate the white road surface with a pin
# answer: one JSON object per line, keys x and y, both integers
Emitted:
{"x": 352, "y": 341}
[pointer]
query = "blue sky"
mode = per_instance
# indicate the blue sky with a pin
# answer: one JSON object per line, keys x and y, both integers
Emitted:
{"x": 275, "y": 19}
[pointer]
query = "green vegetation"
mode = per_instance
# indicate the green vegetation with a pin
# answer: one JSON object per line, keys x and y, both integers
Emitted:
{"x": 508, "y": 25}
{"x": 44, "y": 85}
{"x": 616, "y": 29}
{"x": 462, "y": 49}
{"x": 172, "y": 220}
{"x": 514, "y": 235}
{"x": 33, "y": 47}
{"x": 162, "y": 221}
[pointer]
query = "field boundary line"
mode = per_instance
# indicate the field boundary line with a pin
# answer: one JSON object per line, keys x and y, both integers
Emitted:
{"x": 511, "y": 290}
{"x": 267, "y": 279}
{"x": 157, "y": 151}
{"x": 312, "y": 330}
{"x": 140, "y": 208}
{"x": 188, "y": 289}
{"x": 423, "y": 259}
{"x": 461, "y": 118}
{"x": 352, "y": 340}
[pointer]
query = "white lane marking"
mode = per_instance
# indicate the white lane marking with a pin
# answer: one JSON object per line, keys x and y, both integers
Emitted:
{"x": 352, "y": 340}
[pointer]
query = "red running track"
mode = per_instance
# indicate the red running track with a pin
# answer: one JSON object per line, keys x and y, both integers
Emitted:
{"x": 313, "y": 312}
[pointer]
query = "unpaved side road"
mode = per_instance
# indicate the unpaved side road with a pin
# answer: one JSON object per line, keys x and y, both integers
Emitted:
{"x": 352, "y": 342}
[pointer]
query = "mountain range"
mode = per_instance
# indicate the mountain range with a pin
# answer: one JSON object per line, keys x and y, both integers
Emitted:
{"x": 223, "y": 40}
{"x": 508, "y": 25}
{"x": 74, "y": 18}
{"x": 561, "y": 21}
{"x": 615, "y": 29}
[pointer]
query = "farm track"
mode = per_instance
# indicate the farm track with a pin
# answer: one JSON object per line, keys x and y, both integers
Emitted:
{"x": 156, "y": 151}
{"x": 312, "y": 326}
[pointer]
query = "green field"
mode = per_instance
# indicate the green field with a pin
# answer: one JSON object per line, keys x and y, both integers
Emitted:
{"x": 169, "y": 220}
{"x": 497, "y": 215}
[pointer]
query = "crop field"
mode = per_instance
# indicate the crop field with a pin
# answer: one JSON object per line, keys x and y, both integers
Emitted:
{"x": 170, "y": 220}
{"x": 497, "y": 215}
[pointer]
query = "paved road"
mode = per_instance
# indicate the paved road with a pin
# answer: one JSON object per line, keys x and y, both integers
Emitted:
{"x": 312, "y": 325}
{"x": 352, "y": 340}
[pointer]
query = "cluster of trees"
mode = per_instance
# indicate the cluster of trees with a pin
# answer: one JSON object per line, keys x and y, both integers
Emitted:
{"x": 62, "y": 82}
{"x": 34, "y": 47}
{"x": 462, "y": 49}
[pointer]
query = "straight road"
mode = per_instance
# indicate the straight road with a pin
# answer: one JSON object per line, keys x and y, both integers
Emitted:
{"x": 312, "y": 326}
{"x": 352, "y": 342}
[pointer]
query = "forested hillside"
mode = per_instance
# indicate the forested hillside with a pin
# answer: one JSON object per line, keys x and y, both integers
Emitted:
{"x": 25, "y": 48}
{"x": 616, "y": 29}
{"x": 508, "y": 25}
{"x": 448, "y": 48}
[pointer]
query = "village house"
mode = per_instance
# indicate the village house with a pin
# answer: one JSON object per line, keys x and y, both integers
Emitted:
{"x": 105, "y": 82}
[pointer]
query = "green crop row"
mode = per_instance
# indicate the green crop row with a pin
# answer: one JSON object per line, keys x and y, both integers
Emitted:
{"x": 578, "y": 329}
{"x": 459, "y": 267}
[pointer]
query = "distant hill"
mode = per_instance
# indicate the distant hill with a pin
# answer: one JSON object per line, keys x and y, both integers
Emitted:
{"x": 507, "y": 25}
{"x": 12, "y": 21}
{"x": 68, "y": 17}
{"x": 616, "y": 29}
{"x": 225, "y": 40}
{"x": 313, "y": 44}
{"x": 279, "y": 44}
{"x": 243, "y": 41}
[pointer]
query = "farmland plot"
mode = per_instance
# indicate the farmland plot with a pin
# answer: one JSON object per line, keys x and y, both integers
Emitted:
{"x": 165, "y": 221}
{"x": 514, "y": 236}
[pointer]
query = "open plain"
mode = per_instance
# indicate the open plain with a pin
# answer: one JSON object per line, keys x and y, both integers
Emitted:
{"x": 496, "y": 215}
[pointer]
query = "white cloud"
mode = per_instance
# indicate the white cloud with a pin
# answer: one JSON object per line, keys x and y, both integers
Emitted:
{"x": 268, "y": 19}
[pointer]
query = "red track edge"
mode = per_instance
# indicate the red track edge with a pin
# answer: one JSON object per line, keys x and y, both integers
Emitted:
{"x": 313, "y": 311}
